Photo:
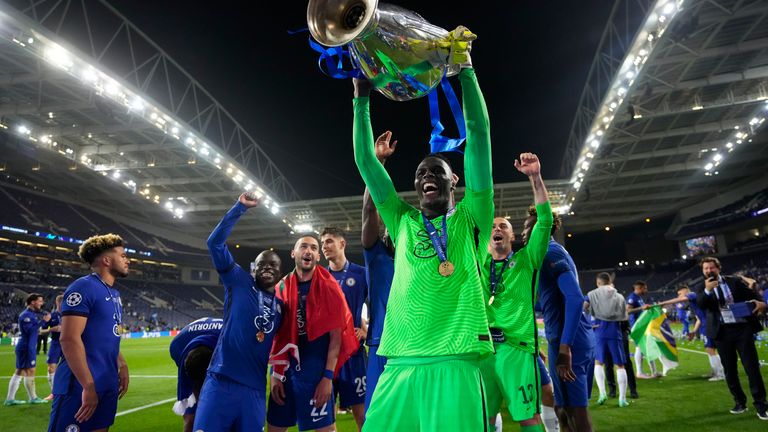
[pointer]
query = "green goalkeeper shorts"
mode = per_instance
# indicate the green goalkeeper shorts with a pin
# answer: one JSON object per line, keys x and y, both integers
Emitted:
{"x": 428, "y": 394}
{"x": 511, "y": 376}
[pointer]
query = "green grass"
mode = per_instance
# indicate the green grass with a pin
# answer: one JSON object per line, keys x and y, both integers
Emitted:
{"x": 682, "y": 401}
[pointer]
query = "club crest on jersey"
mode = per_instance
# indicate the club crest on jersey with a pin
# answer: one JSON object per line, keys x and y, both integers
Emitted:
{"x": 511, "y": 263}
{"x": 72, "y": 428}
{"x": 350, "y": 282}
{"x": 74, "y": 299}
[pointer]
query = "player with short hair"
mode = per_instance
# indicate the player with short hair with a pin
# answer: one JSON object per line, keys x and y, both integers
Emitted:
{"x": 570, "y": 339}
{"x": 637, "y": 305}
{"x": 716, "y": 366}
{"x": 436, "y": 330}
{"x": 93, "y": 374}
{"x": 351, "y": 382}
{"x": 510, "y": 290}
{"x": 608, "y": 309}
{"x": 379, "y": 254}
{"x": 233, "y": 397}
{"x": 54, "y": 351}
{"x": 191, "y": 349}
{"x": 317, "y": 337}
{"x": 26, "y": 351}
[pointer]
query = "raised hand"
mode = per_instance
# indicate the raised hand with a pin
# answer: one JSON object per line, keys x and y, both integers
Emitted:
{"x": 249, "y": 200}
{"x": 362, "y": 86}
{"x": 528, "y": 164}
{"x": 384, "y": 146}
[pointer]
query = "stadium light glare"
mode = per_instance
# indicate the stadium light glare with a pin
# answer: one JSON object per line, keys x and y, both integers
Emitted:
{"x": 717, "y": 157}
{"x": 116, "y": 174}
{"x": 709, "y": 166}
{"x": 303, "y": 228}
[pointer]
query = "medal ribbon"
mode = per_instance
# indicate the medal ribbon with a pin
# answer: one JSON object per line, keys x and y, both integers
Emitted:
{"x": 118, "y": 316}
{"x": 261, "y": 306}
{"x": 440, "y": 243}
{"x": 494, "y": 281}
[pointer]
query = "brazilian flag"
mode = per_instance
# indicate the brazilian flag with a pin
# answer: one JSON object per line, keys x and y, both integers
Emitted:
{"x": 653, "y": 335}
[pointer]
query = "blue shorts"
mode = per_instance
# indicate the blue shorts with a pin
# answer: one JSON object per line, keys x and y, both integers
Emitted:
{"x": 610, "y": 347}
{"x": 578, "y": 392}
{"x": 65, "y": 406}
{"x": 299, "y": 407}
{"x": 226, "y": 405}
{"x": 708, "y": 342}
{"x": 543, "y": 373}
{"x": 375, "y": 368}
{"x": 26, "y": 358}
{"x": 351, "y": 382}
{"x": 54, "y": 352}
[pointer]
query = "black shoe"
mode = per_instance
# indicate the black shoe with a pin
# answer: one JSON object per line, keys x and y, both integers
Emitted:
{"x": 634, "y": 395}
{"x": 761, "y": 413}
{"x": 739, "y": 408}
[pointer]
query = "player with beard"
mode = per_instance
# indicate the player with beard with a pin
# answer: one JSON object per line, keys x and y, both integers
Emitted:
{"x": 30, "y": 322}
{"x": 233, "y": 396}
{"x": 511, "y": 281}
{"x": 93, "y": 374}
{"x": 435, "y": 329}
{"x": 317, "y": 338}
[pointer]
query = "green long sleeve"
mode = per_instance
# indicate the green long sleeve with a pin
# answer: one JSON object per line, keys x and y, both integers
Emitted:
{"x": 477, "y": 155}
{"x": 374, "y": 175}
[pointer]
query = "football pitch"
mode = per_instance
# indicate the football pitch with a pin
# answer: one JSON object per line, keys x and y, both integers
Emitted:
{"x": 681, "y": 401}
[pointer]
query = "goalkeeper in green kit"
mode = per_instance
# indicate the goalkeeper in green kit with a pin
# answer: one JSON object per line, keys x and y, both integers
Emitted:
{"x": 510, "y": 282}
{"x": 435, "y": 330}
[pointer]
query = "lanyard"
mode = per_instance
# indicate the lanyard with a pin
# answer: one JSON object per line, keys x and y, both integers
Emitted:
{"x": 118, "y": 316}
{"x": 439, "y": 242}
{"x": 260, "y": 293}
{"x": 494, "y": 281}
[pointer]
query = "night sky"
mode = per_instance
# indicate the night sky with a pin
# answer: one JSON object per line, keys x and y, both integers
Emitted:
{"x": 532, "y": 59}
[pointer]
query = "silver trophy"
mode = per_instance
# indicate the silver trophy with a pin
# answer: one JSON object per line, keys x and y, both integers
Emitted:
{"x": 398, "y": 51}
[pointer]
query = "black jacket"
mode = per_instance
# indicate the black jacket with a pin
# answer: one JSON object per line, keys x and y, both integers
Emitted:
{"x": 711, "y": 305}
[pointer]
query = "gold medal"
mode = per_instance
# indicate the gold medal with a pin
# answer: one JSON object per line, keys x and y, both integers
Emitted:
{"x": 490, "y": 302}
{"x": 446, "y": 268}
{"x": 260, "y": 336}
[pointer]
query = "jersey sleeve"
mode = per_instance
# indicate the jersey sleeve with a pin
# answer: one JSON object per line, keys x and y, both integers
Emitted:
{"x": 392, "y": 211}
{"x": 217, "y": 246}
{"x": 77, "y": 300}
{"x": 374, "y": 175}
{"x": 480, "y": 207}
{"x": 28, "y": 323}
{"x": 477, "y": 155}
{"x": 631, "y": 301}
{"x": 538, "y": 243}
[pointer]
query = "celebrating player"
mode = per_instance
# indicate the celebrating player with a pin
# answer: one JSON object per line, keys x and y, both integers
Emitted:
{"x": 510, "y": 293}
{"x": 318, "y": 336}
{"x": 93, "y": 374}
{"x": 234, "y": 394}
{"x": 378, "y": 252}
{"x": 26, "y": 352}
{"x": 351, "y": 383}
{"x": 435, "y": 329}
{"x": 192, "y": 350}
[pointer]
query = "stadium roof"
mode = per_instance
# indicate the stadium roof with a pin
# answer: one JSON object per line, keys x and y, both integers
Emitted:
{"x": 672, "y": 118}
{"x": 144, "y": 142}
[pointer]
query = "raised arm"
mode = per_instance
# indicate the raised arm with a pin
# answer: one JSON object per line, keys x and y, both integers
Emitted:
{"x": 374, "y": 175}
{"x": 536, "y": 248}
{"x": 477, "y": 154}
{"x": 217, "y": 241}
{"x": 384, "y": 148}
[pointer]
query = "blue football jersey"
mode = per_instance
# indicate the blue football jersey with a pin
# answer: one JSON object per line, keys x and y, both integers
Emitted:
{"x": 381, "y": 268}
{"x": 202, "y": 332}
{"x": 29, "y": 326}
{"x": 313, "y": 353}
{"x": 607, "y": 329}
{"x": 93, "y": 299}
{"x": 353, "y": 283}
{"x": 634, "y": 301}
{"x": 53, "y": 322}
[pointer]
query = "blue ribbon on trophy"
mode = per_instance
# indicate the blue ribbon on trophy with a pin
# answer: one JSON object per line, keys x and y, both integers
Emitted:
{"x": 399, "y": 52}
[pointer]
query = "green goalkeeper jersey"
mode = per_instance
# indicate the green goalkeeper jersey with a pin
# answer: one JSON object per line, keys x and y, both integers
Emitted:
{"x": 516, "y": 292}
{"x": 429, "y": 314}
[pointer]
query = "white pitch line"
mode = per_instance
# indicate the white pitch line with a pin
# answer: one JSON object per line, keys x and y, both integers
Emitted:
{"x": 132, "y": 410}
{"x": 692, "y": 351}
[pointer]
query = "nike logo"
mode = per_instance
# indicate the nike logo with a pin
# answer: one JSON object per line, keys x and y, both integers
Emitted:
{"x": 108, "y": 298}
{"x": 317, "y": 420}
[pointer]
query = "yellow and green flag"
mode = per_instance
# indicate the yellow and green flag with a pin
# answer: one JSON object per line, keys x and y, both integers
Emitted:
{"x": 653, "y": 335}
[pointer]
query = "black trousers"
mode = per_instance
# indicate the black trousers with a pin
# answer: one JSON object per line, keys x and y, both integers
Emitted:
{"x": 733, "y": 340}
{"x": 42, "y": 342}
{"x": 609, "y": 373}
